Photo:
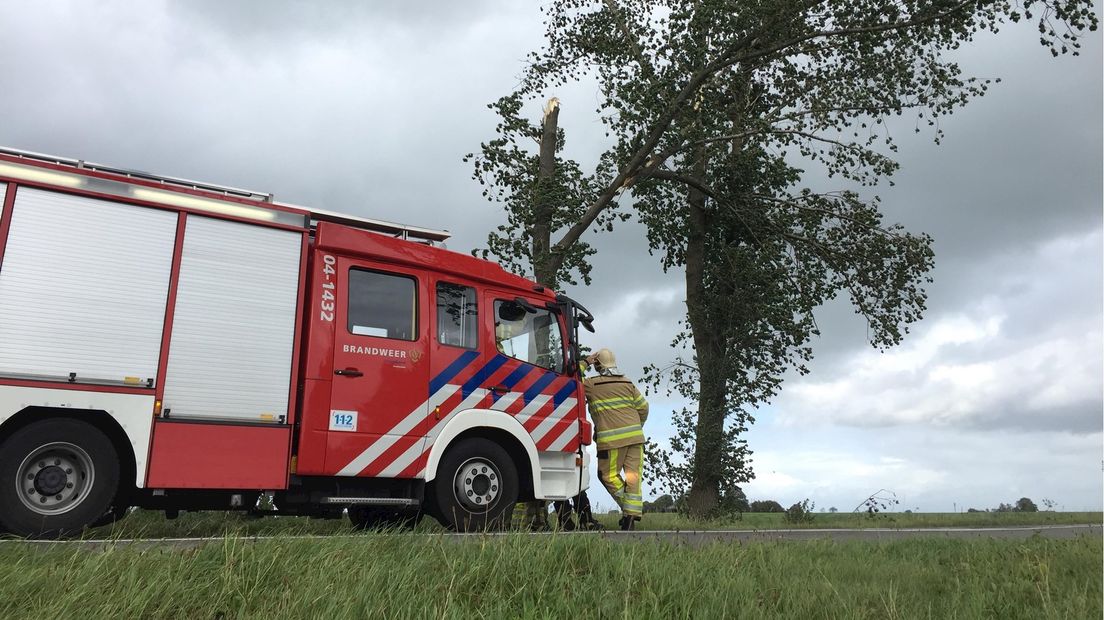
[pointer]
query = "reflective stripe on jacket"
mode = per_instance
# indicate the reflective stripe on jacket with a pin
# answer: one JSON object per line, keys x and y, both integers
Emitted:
{"x": 618, "y": 410}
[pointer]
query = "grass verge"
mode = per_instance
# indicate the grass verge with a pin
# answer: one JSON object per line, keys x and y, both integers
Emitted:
{"x": 151, "y": 524}
{"x": 555, "y": 577}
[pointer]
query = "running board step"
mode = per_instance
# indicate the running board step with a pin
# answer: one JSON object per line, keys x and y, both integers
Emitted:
{"x": 372, "y": 501}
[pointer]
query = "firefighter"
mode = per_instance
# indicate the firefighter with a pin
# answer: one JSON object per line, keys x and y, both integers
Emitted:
{"x": 619, "y": 412}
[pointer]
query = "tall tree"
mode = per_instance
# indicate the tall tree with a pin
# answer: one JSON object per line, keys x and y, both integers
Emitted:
{"x": 714, "y": 109}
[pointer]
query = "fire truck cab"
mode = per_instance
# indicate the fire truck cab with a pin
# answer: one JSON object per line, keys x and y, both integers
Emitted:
{"x": 176, "y": 345}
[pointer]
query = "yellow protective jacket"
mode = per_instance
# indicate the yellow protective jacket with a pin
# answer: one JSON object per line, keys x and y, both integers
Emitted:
{"x": 618, "y": 410}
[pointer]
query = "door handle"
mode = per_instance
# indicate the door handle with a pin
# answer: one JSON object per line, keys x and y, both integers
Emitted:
{"x": 349, "y": 372}
{"x": 498, "y": 389}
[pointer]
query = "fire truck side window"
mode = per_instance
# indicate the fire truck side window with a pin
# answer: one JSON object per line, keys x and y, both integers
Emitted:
{"x": 382, "y": 305}
{"x": 532, "y": 337}
{"x": 457, "y": 316}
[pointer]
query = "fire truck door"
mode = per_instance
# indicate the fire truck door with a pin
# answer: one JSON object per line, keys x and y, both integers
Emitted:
{"x": 378, "y": 399}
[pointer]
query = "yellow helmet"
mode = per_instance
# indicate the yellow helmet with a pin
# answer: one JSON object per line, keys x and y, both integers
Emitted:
{"x": 605, "y": 357}
{"x": 605, "y": 362}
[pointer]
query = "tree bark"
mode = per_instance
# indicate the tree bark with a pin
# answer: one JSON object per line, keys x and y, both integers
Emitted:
{"x": 705, "y": 485}
{"x": 544, "y": 267}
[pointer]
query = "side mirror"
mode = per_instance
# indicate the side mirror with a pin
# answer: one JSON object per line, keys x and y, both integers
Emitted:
{"x": 530, "y": 308}
{"x": 511, "y": 312}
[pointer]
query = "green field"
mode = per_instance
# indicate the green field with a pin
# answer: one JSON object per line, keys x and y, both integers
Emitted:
{"x": 413, "y": 576}
{"x": 148, "y": 524}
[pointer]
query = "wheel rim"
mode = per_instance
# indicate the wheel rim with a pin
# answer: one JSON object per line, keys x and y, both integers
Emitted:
{"x": 55, "y": 478}
{"x": 477, "y": 484}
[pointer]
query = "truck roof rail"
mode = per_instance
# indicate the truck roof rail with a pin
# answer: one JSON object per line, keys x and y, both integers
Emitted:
{"x": 397, "y": 230}
{"x": 317, "y": 215}
{"x": 137, "y": 174}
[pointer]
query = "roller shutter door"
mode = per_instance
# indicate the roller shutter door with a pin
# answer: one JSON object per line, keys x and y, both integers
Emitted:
{"x": 83, "y": 288}
{"x": 233, "y": 330}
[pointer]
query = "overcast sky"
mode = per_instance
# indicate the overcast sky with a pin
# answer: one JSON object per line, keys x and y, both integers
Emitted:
{"x": 368, "y": 108}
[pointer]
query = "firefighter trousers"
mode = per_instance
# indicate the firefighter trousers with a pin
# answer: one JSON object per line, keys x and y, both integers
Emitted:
{"x": 531, "y": 515}
{"x": 581, "y": 505}
{"x": 620, "y": 470}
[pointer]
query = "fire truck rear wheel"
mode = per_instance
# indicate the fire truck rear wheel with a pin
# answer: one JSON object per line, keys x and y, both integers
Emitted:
{"x": 476, "y": 486}
{"x": 56, "y": 478}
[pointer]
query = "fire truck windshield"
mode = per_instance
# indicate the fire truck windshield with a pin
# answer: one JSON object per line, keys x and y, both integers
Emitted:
{"x": 529, "y": 334}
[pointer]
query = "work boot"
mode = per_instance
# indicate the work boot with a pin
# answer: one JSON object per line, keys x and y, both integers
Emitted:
{"x": 627, "y": 523}
{"x": 592, "y": 525}
{"x": 586, "y": 516}
{"x": 563, "y": 513}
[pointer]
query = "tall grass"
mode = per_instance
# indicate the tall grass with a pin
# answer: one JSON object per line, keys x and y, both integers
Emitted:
{"x": 150, "y": 524}
{"x": 554, "y": 577}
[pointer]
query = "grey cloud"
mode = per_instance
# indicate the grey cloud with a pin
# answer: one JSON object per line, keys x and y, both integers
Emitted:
{"x": 1019, "y": 164}
{"x": 1081, "y": 419}
{"x": 273, "y": 23}
{"x": 1020, "y": 279}
{"x": 332, "y": 127}
{"x": 1016, "y": 167}
{"x": 1010, "y": 359}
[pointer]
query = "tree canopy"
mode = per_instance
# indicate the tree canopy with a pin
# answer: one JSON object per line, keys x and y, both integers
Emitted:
{"x": 766, "y": 505}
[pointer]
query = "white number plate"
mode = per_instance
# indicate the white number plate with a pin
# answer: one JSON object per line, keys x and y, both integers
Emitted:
{"x": 343, "y": 420}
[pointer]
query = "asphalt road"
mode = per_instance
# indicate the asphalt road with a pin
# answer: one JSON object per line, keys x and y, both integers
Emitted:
{"x": 690, "y": 538}
{"x": 843, "y": 535}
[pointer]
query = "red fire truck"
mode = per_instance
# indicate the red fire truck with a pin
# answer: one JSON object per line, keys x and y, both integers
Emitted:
{"x": 177, "y": 345}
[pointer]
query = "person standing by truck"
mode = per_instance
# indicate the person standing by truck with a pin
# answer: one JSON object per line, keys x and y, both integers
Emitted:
{"x": 619, "y": 412}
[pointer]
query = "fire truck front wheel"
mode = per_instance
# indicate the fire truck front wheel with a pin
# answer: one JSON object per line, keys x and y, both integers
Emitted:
{"x": 56, "y": 477}
{"x": 476, "y": 486}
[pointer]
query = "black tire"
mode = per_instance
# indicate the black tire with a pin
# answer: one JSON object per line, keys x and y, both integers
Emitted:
{"x": 383, "y": 517}
{"x": 72, "y": 459}
{"x": 114, "y": 514}
{"x": 492, "y": 480}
